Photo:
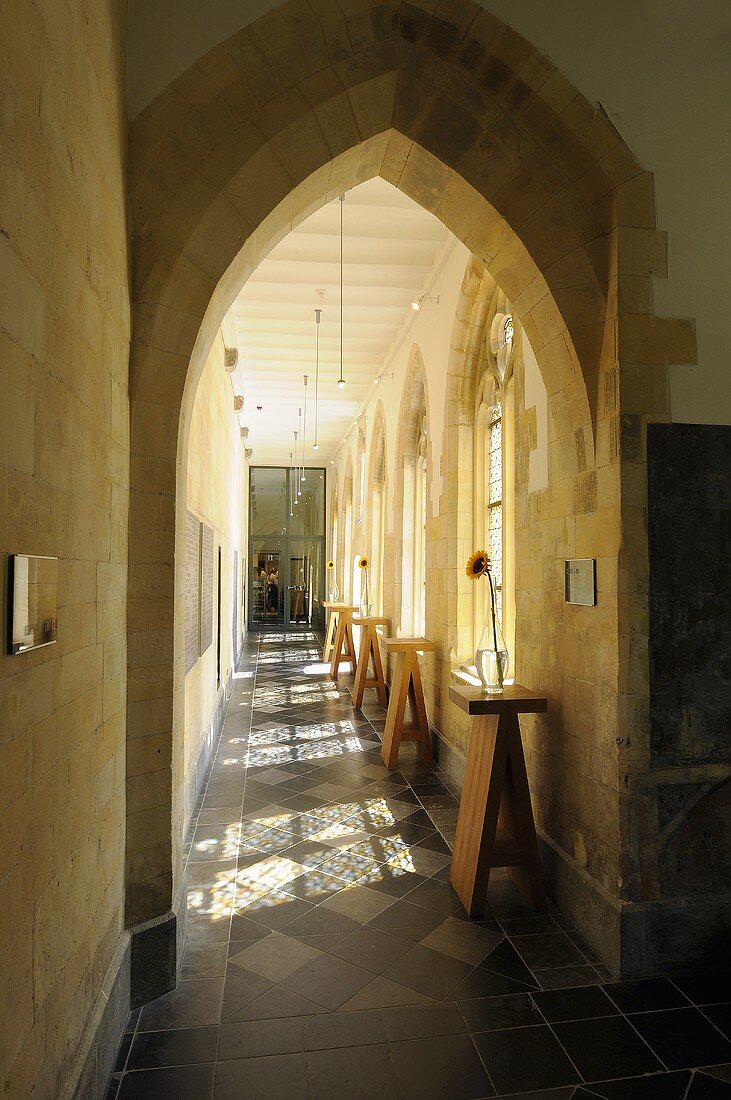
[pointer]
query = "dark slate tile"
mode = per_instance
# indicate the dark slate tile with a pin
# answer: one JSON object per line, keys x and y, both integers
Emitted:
{"x": 655, "y": 1086}
{"x": 438, "y": 896}
{"x": 645, "y": 995}
{"x": 422, "y": 1021}
{"x": 485, "y": 983}
{"x": 204, "y": 960}
{"x": 720, "y": 1015}
{"x": 581, "y": 1003}
{"x": 121, "y": 1060}
{"x": 547, "y": 950}
{"x": 504, "y": 960}
{"x": 683, "y": 1038}
{"x": 428, "y": 972}
{"x": 444, "y": 1067}
{"x": 567, "y": 977}
{"x": 343, "y": 1029}
{"x": 259, "y": 1038}
{"x": 191, "y": 1004}
{"x": 321, "y": 921}
{"x": 278, "y": 1003}
{"x": 599, "y": 1047}
{"x": 262, "y": 1078}
{"x": 176, "y": 1083}
{"x": 525, "y": 1058}
{"x": 371, "y": 948}
{"x": 352, "y": 1073}
{"x": 706, "y": 1087}
{"x": 177, "y": 1047}
{"x": 410, "y": 921}
{"x": 241, "y": 987}
{"x": 328, "y": 981}
{"x": 496, "y": 1013}
{"x": 706, "y": 989}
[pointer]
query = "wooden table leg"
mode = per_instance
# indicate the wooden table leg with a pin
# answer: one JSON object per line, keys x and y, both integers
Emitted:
{"x": 517, "y": 815}
{"x": 495, "y": 827}
{"x": 332, "y": 625}
{"x": 395, "y": 714}
{"x": 344, "y": 648}
{"x": 418, "y": 711}
{"x": 478, "y": 813}
{"x": 369, "y": 651}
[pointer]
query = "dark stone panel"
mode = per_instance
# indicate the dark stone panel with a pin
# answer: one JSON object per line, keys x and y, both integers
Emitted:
{"x": 154, "y": 959}
{"x": 689, "y": 507}
{"x": 695, "y": 817}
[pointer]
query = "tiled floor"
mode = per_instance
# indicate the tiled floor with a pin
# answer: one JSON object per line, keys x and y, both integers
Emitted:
{"x": 328, "y": 956}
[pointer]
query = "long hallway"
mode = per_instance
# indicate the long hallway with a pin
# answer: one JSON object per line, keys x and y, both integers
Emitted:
{"x": 328, "y": 957}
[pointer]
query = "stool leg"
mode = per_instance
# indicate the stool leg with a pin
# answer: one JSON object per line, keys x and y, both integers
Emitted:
{"x": 332, "y": 623}
{"x": 418, "y": 710}
{"x": 395, "y": 714}
{"x": 337, "y": 648}
{"x": 350, "y": 655}
{"x": 478, "y": 812}
{"x": 362, "y": 670}
{"x": 378, "y": 669}
{"x": 517, "y": 814}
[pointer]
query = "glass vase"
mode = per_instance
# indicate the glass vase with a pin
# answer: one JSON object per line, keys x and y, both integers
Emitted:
{"x": 491, "y": 658}
{"x": 334, "y": 590}
{"x": 366, "y": 603}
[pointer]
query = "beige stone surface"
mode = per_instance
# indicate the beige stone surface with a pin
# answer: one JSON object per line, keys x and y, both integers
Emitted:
{"x": 64, "y": 474}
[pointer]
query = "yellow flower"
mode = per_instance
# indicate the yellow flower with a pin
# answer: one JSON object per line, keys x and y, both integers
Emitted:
{"x": 331, "y": 564}
{"x": 477, "y": 564}
{"x": 364, "y": 563}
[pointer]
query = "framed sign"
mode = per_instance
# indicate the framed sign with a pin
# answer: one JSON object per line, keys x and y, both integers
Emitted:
{"x": 33, "y": 603}
{"x": 580, "y": 581}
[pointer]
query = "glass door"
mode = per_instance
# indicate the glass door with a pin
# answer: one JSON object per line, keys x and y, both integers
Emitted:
{"x": 286, "y": 549}
{"x": 305, "y": 583}
{"x": 267, "y": 599}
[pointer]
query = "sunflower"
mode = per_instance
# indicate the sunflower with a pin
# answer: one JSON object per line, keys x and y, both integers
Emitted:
{"x": 364, "y": 563}
{"x": 477, "y": 564}
{"x": 331, "y": 564}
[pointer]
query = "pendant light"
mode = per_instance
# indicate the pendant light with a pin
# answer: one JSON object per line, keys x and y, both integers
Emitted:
{"x": 291, "y": 486}
{"x": 304, "y": 431}
{"x": 297, "y": 479}
{"x": 341, "y": 380}
{"x": 316, "y": 445}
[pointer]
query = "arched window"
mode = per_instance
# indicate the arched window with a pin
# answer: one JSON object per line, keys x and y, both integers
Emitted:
{"x": 377, "y": 511}
{"x": 420, "y": 516}
{"x": 494, "y": 475}
{"x": 345, "y": 563}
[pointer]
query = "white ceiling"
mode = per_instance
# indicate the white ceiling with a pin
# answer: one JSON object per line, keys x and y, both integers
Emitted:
{"x": 391, "y": 249}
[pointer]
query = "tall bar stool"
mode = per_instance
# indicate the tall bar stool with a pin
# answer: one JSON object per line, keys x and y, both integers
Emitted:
{"x": 343, "y": 650}
{"x": 369, "y": 653}
{"x": 406, "y": 686}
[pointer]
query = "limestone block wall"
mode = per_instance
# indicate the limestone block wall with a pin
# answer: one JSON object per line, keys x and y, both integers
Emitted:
{"x": 64, "y": 477}
{"x": 215, "y": 493}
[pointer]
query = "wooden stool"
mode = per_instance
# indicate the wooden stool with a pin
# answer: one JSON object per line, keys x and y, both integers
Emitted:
{"x": 332, "y": 624}
{"x": 495, "y": 827}
{"x": 343, "y": 650}
{"x": 369, "y": 651}
{"x": 406, "y": 684}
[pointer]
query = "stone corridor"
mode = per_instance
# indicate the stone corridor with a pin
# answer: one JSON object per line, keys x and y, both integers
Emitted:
{"x": 328, "y": 957}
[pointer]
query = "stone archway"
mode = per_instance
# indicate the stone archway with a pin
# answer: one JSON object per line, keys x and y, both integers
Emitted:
{"x": 466, "y": 117}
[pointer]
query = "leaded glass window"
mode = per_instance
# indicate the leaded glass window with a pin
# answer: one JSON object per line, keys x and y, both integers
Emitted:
{"x": 495, "y": 503}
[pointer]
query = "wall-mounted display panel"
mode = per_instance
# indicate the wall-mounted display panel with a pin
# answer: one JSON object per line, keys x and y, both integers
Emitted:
{"x": 33, "y": 602}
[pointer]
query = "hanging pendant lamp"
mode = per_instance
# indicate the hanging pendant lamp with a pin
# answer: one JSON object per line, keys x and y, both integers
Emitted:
{"x": 315, "y": 444}
{"x": 341, "y": 380}
{"x": 291, "y": 486}
{"x": 304, "y": 431}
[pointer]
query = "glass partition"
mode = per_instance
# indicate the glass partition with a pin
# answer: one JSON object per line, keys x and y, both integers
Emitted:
{"x": 286, "y": 552}
{"x": 267, "y": 500}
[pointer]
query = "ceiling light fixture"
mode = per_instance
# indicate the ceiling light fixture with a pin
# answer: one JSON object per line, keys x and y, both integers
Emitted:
{"x": 381, "y": 376}
{"x": 433, "y": 299}
{"x": 316, "y": 445}
{"x": 304, "y": 431}
{"x": 341, "y": 380}
{"x": 291, "y": 489}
